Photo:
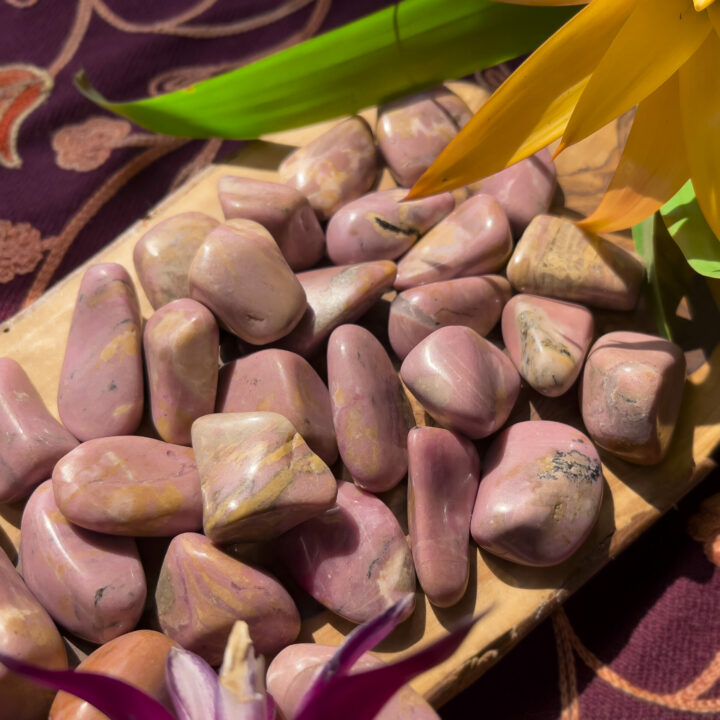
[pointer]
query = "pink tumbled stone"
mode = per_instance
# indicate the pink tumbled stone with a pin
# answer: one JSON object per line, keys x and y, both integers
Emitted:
{"x": 163, "y": 255}
{"x": 134, "y": 486}
{"x": 241, "y": 275}
{"x": 547, "y": 340}
{"x": 282, "y": 382}
{"x": 259, "y": 477}
{"x": 101, "y": 381}
{"x": 31, "y": 439}
{"x": 181, "y": 342}
{"x": 378, "y": 226}
{"x": 413, "y": 131}
{"x": 201, "y": 592}
{"x": 335, "y": 168}
{"x": 354, "y": 559}
{"x": 284, "y": 211}
{"x": 472, "y": 301}
{"x": 367, "y": 407}
{"x": 462, "y": 380}
{"x": 523, "y": 190}
{"x": 631, "y": 392}
{"x": 601, "y": 273}
{"x": 473, "y": 240}
{"x": 28, "y": 634}
{"x": 293, "y": 669}
{"x": 337, "y": 295}
{"x": 539, "y": 495}
{"x": 91, "y": 584}
{"x": 444, "y": 471}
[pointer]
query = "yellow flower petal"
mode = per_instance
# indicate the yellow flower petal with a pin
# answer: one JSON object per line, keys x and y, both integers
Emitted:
{"x": 548, "y": 2}
{"x": 714, "y": 15}
{"x": 658, "y": 37}
{"x": 531, "y": 108}
{"x": 700, "y": 110}
{"x": 653, "y": 166}
{"x": 700, "y": 5}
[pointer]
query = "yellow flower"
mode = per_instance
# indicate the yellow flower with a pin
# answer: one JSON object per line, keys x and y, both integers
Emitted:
{"x": 661, "y": 55}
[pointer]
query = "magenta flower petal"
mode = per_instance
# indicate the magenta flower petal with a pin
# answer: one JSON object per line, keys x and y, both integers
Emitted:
{"x": 362, "y": 696}
{"x": 117, "y": 699}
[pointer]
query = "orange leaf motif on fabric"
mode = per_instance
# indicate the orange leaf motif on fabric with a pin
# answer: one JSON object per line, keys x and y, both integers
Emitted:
{"x": 22, "y": 89}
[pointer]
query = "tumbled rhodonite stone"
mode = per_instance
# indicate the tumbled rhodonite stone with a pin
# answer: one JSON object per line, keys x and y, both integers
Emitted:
{"x": 335, "y": 168}
{"x": 31, "y": 439}
{"x": 132, "y": 485}
{"x": 181, "y": 353}
{"x": 367, "y": 407}
{"x": 539, "y": 495}
{"x": 556, "y": 258}
{"x": 547, "y": 340}
{"x": 631, "y": 393}
{"x": 378, "y": 226}
{"x": 462, "y": 380}
{"x": 353, "y": 559}
{"x": 241, "y": 275}
{"x": 28, "y": 634}
{"x": 476, "y": 302}
{"x": 163, "y": 255}
{"x": 91, "y": 584}
{"x": 413, "y": 131}
{"x": 443, "y": 476}
{"x": 285, "y": 383}
{"x": 523, "y": 190}
{"x": 202, "y": 591}
{"x": 259, "y": 478}
{"x": 472, "y": 240}
{"x": 337, "y": 295}
{"x": 101, "y": 381}
{"x": 284, "y": 211}
{"x": 293, "y": 670}
{"x": 137, "y": 658}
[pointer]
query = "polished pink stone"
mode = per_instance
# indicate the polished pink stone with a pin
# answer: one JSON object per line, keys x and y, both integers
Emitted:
{"x": 335, "y": 168}
{"x": 462, "y": 380}
{"x": 241, "y": 275}
{"x": 631, "y": 392}
{"x": 444, "y": 471}
{"x": 354, "y": 559}
{"x": 600, "y": 273}
{"x": 282, "y": 382}
{"x": 181, "y": 342}
{"x": 293, "y": 670}
{"x": 368, "y": 409}
{"x": 473, "y": 240}
{"x": 162, "y": 256}
{"x": 31, "y": 439}
{"x": 413, "y": 131}
{"x": 284, "y": 211}
{"x": 547, "y": 340}
{"x": 202, "y": 592}
{"x": 91, "y": 584}
{"x": 337, "y": 295}
{"x": 524, "y": 189}
{"x": 539, "y": 495}
{"x": 133, "y": 485}
{"x": 259, "y": 477}
{"x": 472, "y": 301}
{"x": 379, "y": 226}
{"x": 101, "y": 381}
{"x": 27, "y": 633}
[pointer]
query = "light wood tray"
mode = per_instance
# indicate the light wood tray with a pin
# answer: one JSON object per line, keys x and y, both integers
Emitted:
{"x": 517, "y": 598}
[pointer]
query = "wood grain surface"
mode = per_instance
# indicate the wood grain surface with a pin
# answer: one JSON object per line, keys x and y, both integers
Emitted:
{"x": 515, "y": 598}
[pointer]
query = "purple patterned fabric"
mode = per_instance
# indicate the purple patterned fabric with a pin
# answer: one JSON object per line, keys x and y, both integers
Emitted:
{"x": 72, "y": 178}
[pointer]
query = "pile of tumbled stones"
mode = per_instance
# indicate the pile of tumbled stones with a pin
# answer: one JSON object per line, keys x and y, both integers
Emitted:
{"x": 243, "y": 453}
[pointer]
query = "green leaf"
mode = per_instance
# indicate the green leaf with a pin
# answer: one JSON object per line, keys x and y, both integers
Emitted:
{"x": 687, "y": 226}
{"x": 396, "y": 51}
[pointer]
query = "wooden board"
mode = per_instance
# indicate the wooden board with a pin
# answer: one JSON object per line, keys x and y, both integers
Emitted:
{"x": 516, "y": 598}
